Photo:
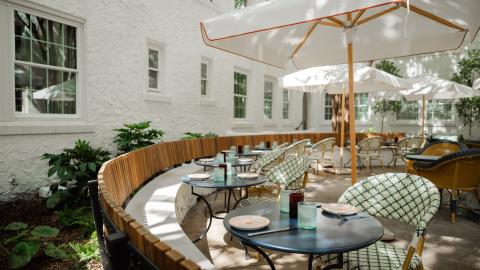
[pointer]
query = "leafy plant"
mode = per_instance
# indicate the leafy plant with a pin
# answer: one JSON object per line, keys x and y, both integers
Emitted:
{"x": 210, "y": 135}
{"x": 468, "y": 110}
{"x": 77, "y": 217}
{"x": 74, "y": 167}
{"x": 135, "y": 136}
{"x": 87, "y": 251}
{"x": 25, "y": 244}
{"x": 240, "y": 4}
{"x": 193, "y": 135}
{"x": 384, "y": 107}
{"x": 389, "y": 67}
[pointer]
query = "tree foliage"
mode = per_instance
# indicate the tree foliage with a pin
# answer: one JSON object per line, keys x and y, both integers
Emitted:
{"x": 468, "y": 109}
{"x": 389, "y": 67}
{"x": 466, "y": 66}
{"x": 135, "y": 136}
{"x": 384, "y": 107}
{"x": 194, "y": 135}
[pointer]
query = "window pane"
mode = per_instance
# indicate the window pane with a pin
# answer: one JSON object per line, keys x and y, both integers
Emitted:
{"x": 39, "y": 78}
{"x": 153, "y": 79}
{"x": 70, "y": 90}
{"x": 22, "y": 76}
{"x": 70, "y": 58}
{"x": 203, "y": 70}
{"x": 22, "y": 24}
{"x": 39, "y": 52}
{"x": 328, "y": 107}
{"x": 42, "y": 90}
{"x": 70, "y": 36}
{"x": 39, "y": 28}
{"x": 239, "y": 107}
{"x": 56, "y": 55}
{"x": 55, "y": 32}
{"x": 153, "y": 58}
{"x": 240, "y": 83}
{"x": 203, "y": 87}
{"x": 285, "y": 110}
{"x": 267, "y": 109}
{"x": 22, "y": 49}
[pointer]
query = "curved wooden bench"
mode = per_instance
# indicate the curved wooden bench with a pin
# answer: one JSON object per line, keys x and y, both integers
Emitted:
{"x": 120, "y": 177}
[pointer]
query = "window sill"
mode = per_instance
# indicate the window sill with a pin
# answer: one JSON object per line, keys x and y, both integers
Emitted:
{"x": 29, "y": 128}
{"x": 270, "y": 124}
{"x": 242, "y": 124}
{"x": 158, "y": 97}
{"x": 207, "y": 101}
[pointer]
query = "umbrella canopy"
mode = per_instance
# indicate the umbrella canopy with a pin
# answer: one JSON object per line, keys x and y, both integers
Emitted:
{"x": 310, "y": 32}
{"x": 476, "y": 84}
{"x": 322, "y": 32}
{"x": 437, "y": 88}
{"x": 332, "y": 80}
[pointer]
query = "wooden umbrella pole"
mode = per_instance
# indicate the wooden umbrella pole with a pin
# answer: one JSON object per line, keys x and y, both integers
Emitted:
{"x": 342, "y": 131}
{"x": 422, "y": 132}
{"x": 351, "y": 106}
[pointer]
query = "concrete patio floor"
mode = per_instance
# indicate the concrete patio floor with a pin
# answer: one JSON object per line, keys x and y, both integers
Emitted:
{"x": 447, "y": 246}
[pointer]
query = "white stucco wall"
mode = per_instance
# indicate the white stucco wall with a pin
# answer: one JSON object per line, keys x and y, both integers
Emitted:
{"x": 115, "y": 38}
{"x": 116, "y": 33}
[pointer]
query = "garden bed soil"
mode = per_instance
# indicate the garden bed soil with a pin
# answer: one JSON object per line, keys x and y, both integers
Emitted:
{"x": 32, "y": 211}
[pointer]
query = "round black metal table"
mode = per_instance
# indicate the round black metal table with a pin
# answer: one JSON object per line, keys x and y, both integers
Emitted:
{"x": 333, "y": 234}
{"x": 252, "y": 153}
{"x": 213, "y": 164}
{"x": 232, "y": 182}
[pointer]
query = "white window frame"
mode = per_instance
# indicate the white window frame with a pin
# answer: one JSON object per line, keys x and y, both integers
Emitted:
{"x": 327, "y": 107}
{"x": 209, "y": 90}
{"x": 286, "y": 102}
{"x": 12, "y": 122}
{"x": 160, "y": 48}
{"x": 272, "y": 80}
{"x": 442, "y": 102}
{"x": 247, "y": 74}
{"x": 364, "y": 105}
{"x": 431, "y": 122}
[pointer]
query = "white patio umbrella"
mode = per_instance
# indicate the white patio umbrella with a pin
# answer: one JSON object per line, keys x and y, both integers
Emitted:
{"x": 333, "y": 79}
{"x": 476, "y": 84}
{"x": 322, "y": 32}
{"x": 428, "y": 88}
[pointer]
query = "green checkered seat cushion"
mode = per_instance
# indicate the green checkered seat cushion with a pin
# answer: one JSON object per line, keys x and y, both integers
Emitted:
{"x": 378, "y": 256}
{"x": 289, "y": 173}
{"x": 409, "y": 198}
{"x": 254, "y": 200}
{"x": 296, "y": 149}
{"x": 267, "y": 161}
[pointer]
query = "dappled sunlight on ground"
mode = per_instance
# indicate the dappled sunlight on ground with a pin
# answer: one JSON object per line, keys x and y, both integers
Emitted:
{"x": 448, "y": 246}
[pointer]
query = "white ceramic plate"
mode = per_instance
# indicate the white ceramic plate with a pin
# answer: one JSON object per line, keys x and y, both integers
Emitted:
{"x": 206, "y": 159}
{"x": 340, "y": 209}
{"x": 199, "y": 176}
{"x": 247, "y": 175}
{"x": 257, "y": 152}
{"x": 245, "y": 160}
{"x": 249, "y": 222}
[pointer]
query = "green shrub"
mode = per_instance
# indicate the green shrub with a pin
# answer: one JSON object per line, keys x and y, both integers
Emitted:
{"x": 74, "y": 167}
{"x": 80, "y": 217}
{"x": 86, "y": 251}
{"x": 25, "y": 244}
{"x": 135, "y": 136}
{"x": 384, "y": 107}
{"x": 193, "y": 135}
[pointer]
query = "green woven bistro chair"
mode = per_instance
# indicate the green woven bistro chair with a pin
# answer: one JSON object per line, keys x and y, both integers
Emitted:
{"x": 370, "y": 149}
{"x": 291, "y": 173}
{"x": 296, "y": 149}
{"x": 267, "y": 161}
{"x": 322, "y": 152}
{"x": 406, "y": 197}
